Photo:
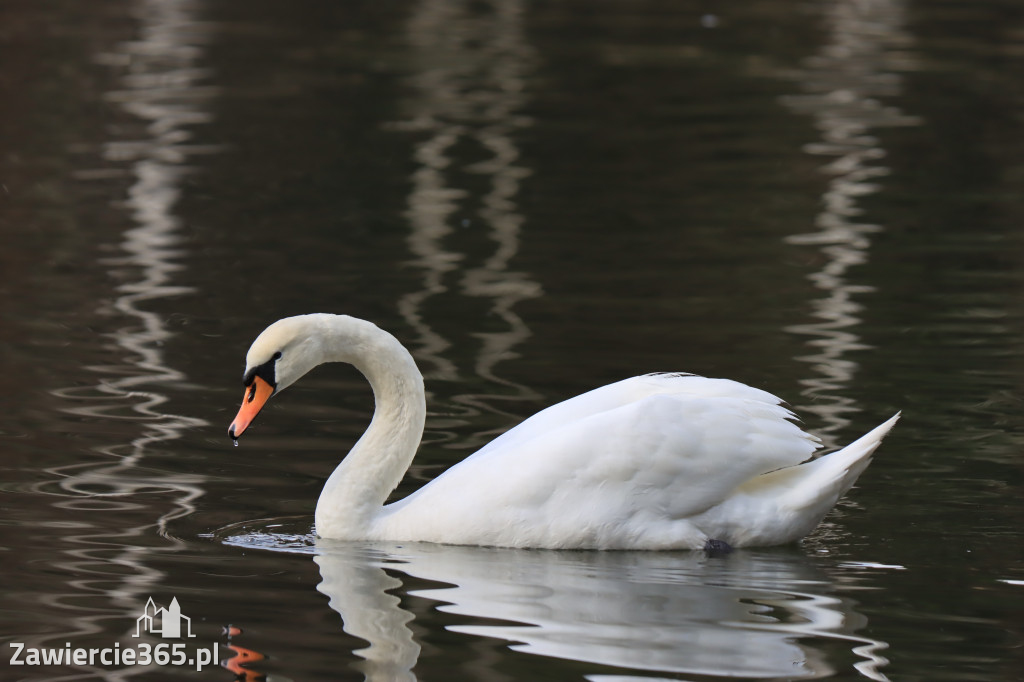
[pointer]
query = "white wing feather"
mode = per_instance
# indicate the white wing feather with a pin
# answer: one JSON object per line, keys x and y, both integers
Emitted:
{"x": 624, "y": 465}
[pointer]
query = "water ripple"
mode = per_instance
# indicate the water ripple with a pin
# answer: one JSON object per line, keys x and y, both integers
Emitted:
{"x": 112, "y": 561}
{"x": 468, "y": 85}
{"x": 842, "y": 82}
{"x": 754, "y": 613}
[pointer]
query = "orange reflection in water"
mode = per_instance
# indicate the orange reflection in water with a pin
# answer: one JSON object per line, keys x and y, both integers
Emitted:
{"x": 242, "y": 657}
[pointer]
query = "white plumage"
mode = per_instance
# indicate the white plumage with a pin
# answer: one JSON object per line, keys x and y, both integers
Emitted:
{"x": 662, "y": 461}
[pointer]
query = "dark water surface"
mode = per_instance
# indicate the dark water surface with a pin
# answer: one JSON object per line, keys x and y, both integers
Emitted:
{"x": 820, "y": 198}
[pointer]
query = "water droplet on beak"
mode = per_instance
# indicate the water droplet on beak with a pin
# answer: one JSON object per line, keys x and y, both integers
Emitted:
{"x": 235, "y": 440}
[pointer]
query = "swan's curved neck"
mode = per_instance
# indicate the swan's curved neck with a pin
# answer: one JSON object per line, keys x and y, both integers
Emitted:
{"x": 361, "y": 483}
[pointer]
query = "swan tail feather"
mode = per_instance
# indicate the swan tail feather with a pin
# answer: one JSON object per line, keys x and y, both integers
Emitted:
{"x": 784, "y": 505}
{"x": 823, "y": 481}
{"x": 813, "y": 488}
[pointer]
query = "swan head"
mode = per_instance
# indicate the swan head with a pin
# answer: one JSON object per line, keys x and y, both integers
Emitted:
{"x": 278, "y": 357}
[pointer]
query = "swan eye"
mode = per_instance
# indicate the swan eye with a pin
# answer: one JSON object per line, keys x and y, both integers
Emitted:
{"x": 266, "y": 371}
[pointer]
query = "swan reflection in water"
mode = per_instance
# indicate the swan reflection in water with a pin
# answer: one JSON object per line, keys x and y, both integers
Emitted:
{"x": 750, "y": 614}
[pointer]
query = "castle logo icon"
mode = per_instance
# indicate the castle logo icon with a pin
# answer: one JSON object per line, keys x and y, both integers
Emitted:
{"x": 170, "y": 621}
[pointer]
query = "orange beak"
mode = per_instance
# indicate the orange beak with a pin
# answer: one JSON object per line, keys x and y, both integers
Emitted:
{"x": 255, "y": 397}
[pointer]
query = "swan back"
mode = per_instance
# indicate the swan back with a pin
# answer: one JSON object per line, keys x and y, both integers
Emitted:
{"x": 634, "y": 389}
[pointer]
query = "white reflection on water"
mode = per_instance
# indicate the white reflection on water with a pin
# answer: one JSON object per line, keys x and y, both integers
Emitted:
{"x": 751, "y": 614}
{"x": 469, "y": 66}
{"x": 160, "y": 89}
{"x": 857, "y": 64}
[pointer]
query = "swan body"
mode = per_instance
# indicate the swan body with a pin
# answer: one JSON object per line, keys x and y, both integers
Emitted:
{"x": 662, "y": 461}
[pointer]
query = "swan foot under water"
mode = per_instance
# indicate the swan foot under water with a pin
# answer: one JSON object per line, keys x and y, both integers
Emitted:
{"x": 717, "y": 547}
{"x": 660, "y": 461}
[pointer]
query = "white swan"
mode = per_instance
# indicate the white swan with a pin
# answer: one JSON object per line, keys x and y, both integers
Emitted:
{"x": 662, "y": 461}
